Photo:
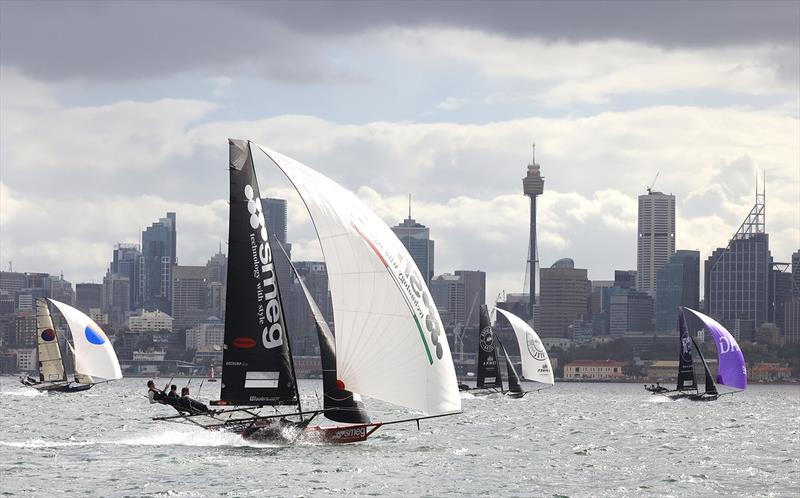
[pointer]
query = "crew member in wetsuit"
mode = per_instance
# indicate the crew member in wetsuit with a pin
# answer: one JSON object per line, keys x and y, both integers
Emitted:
{"x": 153, "y": 394}
{"x": 189, "y": 404}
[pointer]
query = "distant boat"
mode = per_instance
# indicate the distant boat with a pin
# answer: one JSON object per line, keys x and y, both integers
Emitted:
{"x": 95, "y": 359}
{"x": 389, "y": 342}
{"x": 535, "y": 361}
{"x": 695, "y": 381}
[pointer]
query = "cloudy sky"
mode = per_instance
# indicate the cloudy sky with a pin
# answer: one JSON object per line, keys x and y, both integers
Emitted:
{"x": 113, "y": 113}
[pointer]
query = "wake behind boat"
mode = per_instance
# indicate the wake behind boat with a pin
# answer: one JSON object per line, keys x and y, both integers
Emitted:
{"x": 95, "y": 359}
{"x": 693, "y": 371}
{"x": 389, "y": 342}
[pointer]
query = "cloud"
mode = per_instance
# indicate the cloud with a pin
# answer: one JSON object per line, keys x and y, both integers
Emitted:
{"x": 292, "y": 41}
{"x": 452, "y": 103}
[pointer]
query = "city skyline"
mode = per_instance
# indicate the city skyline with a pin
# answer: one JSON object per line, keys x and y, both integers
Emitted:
{"x": 116, "y": 143}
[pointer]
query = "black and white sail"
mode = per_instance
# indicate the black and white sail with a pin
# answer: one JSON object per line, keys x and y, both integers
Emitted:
{"x": 514, "y": 386}
{"x": 686, "y": 378}
{"x": 257, "y": 360}
{"x": 488, "y": 367}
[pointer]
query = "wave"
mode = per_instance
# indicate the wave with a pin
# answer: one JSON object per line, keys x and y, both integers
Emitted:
{"x": 23, "y": 391}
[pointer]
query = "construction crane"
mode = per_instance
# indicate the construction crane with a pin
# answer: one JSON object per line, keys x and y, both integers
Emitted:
{"x": 653, "y": 183}
{"x": 460, "y": 331}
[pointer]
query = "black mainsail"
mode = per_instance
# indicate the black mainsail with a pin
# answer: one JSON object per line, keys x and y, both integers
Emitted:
{"x": 488, "y": 367}
{"x": 257, "y": 361}
{"x": 514, "y": 386}
{"x": 686, "y": 378}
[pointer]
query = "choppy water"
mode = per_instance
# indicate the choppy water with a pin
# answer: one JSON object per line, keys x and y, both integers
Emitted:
{"x": 573, "y": 440}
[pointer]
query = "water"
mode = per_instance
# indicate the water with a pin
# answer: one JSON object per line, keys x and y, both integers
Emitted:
{"x": 573, "y": 440}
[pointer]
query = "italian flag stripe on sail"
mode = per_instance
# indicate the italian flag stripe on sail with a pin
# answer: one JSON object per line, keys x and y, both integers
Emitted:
{"x": 414, "y": 315}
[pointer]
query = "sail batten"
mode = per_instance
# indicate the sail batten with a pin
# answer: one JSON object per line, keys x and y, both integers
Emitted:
{"x": 390, "y": 341}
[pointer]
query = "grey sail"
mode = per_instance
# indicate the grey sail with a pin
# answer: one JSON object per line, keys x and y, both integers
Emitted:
{"x": 51, "y": 363}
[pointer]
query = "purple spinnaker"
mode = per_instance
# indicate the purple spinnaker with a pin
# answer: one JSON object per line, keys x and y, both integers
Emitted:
{"x": 732, "y": 371}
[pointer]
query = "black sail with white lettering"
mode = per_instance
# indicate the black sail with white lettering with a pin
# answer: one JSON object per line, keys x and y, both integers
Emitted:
{"x": 685, "y": 365}
{"x": 257, "y": 362}
{"x": 488, "y": 368}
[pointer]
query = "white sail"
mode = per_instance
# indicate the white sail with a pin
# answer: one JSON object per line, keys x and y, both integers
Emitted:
{"x": 390, "y": 343}
{"x": 94, "y": 355}
{"x": 51, "y": 366}
{"x": 535, "y": 362}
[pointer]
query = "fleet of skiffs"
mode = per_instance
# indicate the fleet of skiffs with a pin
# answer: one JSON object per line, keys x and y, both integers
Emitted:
{"x": 389, "y": 342}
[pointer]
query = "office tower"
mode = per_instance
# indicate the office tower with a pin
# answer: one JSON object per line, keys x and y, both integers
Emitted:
{"x": 737, "y": 277}
{"x": 417, "y": 240}
{"x": 275, "y": 215}
{"x": 532, "y": 186}
{"x": 563, "y": 298}
{"x": 189, "y": 296}
{"x": 796, "y": 274}
{"x": 159, "y": 256}
{"x": 217, "y": 267}
{"x": 12, "y": 281}
{"x": 630, "y": 311}
{"x": 677, "y": 284}
{"x": 88, "y": 296}
{"x": 116, "y": 297}
{"x": 61, "y": 290}
{"x": 459, "y": 296}
{"x": 656, "y": 242}
{"x": 127, "y": 260}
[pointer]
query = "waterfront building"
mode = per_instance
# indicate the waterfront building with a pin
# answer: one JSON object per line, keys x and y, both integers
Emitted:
{"x": 594, "y": 370}
{"x": 211, "y": 332}
{"x": 150, "y": 321}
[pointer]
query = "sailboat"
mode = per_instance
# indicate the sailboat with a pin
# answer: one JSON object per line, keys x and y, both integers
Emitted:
{"x": 389, "y": 342}
{"x": 95, "y": 359}
{"x": 535, "y": 362}
{"x": 695, "y": 380}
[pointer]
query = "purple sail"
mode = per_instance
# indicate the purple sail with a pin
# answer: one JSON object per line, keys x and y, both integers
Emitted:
{"x": 732, "y": 370}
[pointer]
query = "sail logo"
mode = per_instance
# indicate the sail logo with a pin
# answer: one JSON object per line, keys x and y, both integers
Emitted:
{"x": 269, "y": 308}
{"x": 685, "y": 348}
{"x": 487, "y": 340}
{"x": 726, "y": 345}
{"x": 535, "y": 347}
{"x": 48, "y": 335}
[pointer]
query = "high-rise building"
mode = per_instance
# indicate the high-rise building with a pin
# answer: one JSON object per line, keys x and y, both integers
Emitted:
{"x": 737, "y": 277}
{"x": 127, "y": 260}
{"x": 189, "y": 296}
{"x": 116, "y": 297}
{"x": 780, "y": 293}
{"x": 275, "y": 216}
{"x": 563, "y": 298}
{"x": 417, "y": 240}
{"x": 217, "y": 267}
{"x": 458, "y": 297}
{"x": 88, "y": 296}
{"x": 61, "y": 290}
{"x": 12, "y": 281}
{"x": 159, "y": 256}
{"x": 677, "y": 284}
{"x": 532, "y": 186}
{"x": 656, "y": 242}
{"x": 630, "y": 311}
{"x": 796, "y": 274}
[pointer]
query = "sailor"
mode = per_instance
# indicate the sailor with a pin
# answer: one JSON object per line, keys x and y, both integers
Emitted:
{"x": 173, "y": 392}
{"x": 153, "y": 394}
{"x": 189, "y": 404}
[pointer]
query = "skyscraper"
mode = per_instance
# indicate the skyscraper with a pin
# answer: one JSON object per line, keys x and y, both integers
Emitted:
{"x": 532, "y": 186}
{"x": 630, "y": 311}
{"x": 563, "y": 298}
{"x": 417, "y": 240}
{"x": 127, "y": 260}
{"x": 88, "y": 296}
{"x": 275, "y": 215}
{"x": 677, "y": 284}
{"x": 189, "y": 296}
{"x": 159, "y": 256}
{"x": 656, "y": 242}
{"x": 737, "y": 277}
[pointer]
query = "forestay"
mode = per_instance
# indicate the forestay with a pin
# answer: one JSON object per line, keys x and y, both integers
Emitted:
{"x": 732, "y": 371}
{"x": 94, "y": 355}
{"x": 390, "y": 343}
{"x": 535, "y": 361}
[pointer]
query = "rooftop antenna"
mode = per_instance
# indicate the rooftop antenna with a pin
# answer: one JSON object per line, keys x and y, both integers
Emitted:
{"x": 653, "y": 183}
{"x": 533, "y": 159}
{"x": 10, "y": 267}
{"x": 409, "y": 206}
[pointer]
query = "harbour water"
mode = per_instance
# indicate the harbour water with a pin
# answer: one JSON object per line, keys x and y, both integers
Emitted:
{"x": 572, "y": 440}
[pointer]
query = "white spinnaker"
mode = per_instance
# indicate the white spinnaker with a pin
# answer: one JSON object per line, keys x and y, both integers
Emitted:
{"x": 94, "y": 355}
{"x": 535, "y": 362}
{"x": 390, "y": 343}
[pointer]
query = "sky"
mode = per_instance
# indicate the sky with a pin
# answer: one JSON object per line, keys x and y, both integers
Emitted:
{"x": 113, "y": 113}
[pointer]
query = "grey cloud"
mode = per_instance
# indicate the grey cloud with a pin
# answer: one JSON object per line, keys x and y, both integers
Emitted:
{"x": 127, "y": 40}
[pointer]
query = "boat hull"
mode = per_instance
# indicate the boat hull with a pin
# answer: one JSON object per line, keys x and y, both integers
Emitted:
{"x": 60, "y": 387}
{"x": 287, "y": 431}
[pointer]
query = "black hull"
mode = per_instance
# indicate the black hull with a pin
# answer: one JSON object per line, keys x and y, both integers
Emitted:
{"x": 57, "y": 388}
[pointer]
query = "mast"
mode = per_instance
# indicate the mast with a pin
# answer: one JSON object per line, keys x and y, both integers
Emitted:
{"x": 513, "y": 379}
{"x": 51, "y": 361}
{"x": 711, "y": 387}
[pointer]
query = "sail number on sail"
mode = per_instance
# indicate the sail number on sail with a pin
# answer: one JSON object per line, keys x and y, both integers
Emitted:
{"x": 269, "y": 309}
